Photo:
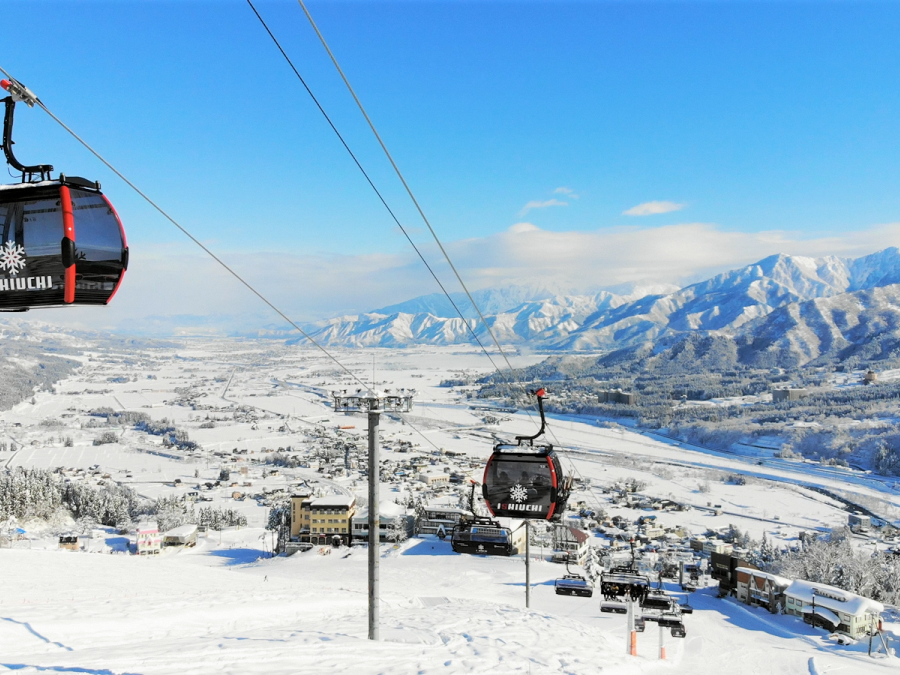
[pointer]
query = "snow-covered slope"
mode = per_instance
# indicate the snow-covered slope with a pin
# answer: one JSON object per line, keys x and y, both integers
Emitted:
{"x": 220, "y": 609}
{"x": 725, "y": 303}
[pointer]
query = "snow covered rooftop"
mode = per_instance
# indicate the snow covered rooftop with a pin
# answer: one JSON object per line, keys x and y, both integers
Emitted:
{"x": 444, "y": 508}
{"x": 386, "y": 509}
{"x": 182, "y": 531}
{"x": 833, "y": 598}
{"x": 777, "y": 580}
{"x": 19, "y": 186}
{"x": 333, "y": 501}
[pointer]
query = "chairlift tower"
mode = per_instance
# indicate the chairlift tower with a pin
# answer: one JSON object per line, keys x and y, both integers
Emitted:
{"x": 371, "y": 402}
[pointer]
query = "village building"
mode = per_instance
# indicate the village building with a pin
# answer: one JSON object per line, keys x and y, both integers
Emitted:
{"x": 789, "y": 394}
{"x": 438, "y": 518}
{"x": 859, "y": 523}
{"x": 434, "y": 478}
{"x": 723, "y": 568}
{"x": 617, "y": 396}
{"x": 570, "y": 544}
{"x": 68, "y": 542}
{"x": 389, "y": 518}
{"x": 832, "y": 608}
{"x": 325, "y": 520}
{"x": 754, "y": 587}
{"x": 185, "y": 535}
{"x": 148, "y": 540}
{"x": 717, "y": 546}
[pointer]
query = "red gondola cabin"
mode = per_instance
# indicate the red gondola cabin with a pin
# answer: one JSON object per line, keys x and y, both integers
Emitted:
{"x": 61, "y": 243}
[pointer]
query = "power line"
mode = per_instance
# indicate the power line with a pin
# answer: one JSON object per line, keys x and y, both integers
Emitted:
{"x": 369, "y": 180}
{"x": 405, "y": 184}
{"x": 507, "y": 382}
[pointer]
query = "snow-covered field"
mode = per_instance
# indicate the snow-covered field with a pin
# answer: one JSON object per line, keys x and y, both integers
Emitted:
{"x": 224, "y": 607}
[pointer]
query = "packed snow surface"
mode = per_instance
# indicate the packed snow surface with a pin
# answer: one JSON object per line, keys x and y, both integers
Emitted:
{"x": 219, "y": 608}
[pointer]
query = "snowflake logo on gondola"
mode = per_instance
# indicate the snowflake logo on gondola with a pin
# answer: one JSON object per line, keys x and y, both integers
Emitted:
{"x": 12, "y": 258}
{"x": 518, "y": 494}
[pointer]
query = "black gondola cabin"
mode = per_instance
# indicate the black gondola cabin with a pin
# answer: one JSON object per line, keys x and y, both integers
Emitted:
{"x": 524, "y": 485}
{"x": 526, "y": 481}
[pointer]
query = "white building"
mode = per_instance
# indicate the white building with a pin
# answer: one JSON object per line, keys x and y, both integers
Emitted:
{"x": 434, "y": 478}
{"x": 840, "y": 611}
{"x": 185, "y": 535}
{"x": 149, "y": 540}
{"x": 390, "y": 515}
{"x": 439, "y": 517}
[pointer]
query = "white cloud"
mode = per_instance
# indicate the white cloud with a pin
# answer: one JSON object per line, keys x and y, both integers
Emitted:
{"x": 541, "y": 205}
{"x": 523, "y": 227}
{"x": 566, "y": 191}
{"x": 653, "y": 208}
{"x": 173, "y": 285}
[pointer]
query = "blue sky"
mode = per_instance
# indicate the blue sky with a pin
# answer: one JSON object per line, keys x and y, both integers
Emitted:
{"x": 756, "y": 128}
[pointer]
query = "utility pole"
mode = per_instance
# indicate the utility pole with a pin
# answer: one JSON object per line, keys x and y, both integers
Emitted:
{"x": 373, "y": 404}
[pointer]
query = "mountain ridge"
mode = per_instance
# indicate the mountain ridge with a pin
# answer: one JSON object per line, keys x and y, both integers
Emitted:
{"x": 734, "y": 303}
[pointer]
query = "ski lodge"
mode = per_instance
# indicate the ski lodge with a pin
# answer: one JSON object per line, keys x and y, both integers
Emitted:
{"x": 755, "y": 587}
{"x": 832, "y": 608}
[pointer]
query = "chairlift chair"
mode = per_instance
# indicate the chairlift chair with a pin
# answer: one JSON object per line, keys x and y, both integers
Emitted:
{"x": 480, "y": 535}
{"x": 609, "y": 606}
{"x": 623, "y": 585}
{"x": 656, "y": 600}
{"x": 573, "y": 584}
{"x": 679, "y": 631}
{"x": 673, "y": 621}
{"x": 61, "y": 240}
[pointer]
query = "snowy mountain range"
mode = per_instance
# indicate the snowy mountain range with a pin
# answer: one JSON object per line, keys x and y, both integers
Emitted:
{"x": 800, "y": 304}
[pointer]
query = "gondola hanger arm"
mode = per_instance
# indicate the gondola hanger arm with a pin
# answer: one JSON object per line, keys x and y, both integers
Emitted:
{"x": 19, "y": 92}
{"x": 540, "y": 393}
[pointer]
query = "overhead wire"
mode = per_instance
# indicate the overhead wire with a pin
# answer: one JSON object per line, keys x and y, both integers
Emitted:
{"x": 418, "y": 207}
{"x": 381, "y": 198}
{"x": 390, "y": 211}
{"x": 412, "y": 197}
{"x": 405, "y": 184}
{"x": 368, "y": 178}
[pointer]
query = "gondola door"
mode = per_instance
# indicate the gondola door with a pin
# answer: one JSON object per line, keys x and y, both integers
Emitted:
{"x": 32, "y": 273}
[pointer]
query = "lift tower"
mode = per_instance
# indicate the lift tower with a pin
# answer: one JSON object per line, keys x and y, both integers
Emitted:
{"x": 374, "y": 404}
